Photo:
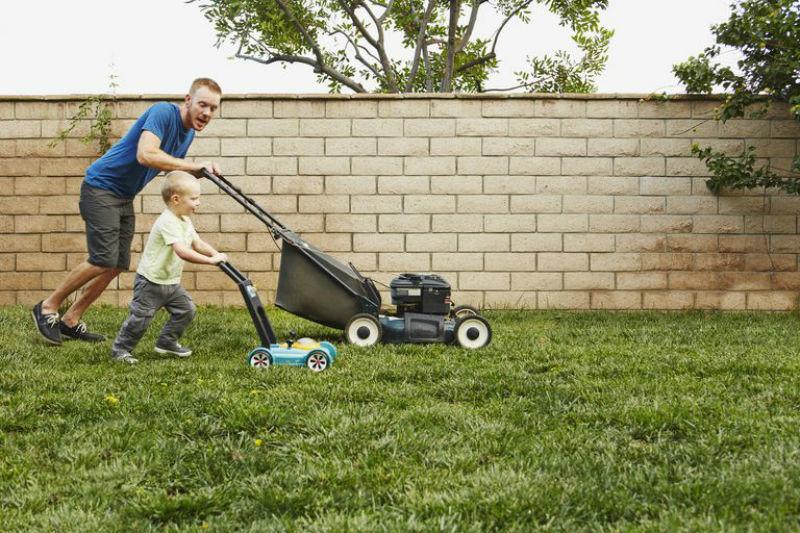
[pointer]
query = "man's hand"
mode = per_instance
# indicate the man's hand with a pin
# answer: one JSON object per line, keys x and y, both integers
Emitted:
{"x": 209, "y": 166}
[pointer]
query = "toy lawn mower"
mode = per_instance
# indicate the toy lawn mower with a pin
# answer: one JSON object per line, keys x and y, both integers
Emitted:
{"x": 317, "y": 356}
{"x": 315, "y": 286}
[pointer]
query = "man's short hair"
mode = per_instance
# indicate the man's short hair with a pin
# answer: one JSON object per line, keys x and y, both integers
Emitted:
{"x": 208, "y": 83}
{"x": 176, "y": 182}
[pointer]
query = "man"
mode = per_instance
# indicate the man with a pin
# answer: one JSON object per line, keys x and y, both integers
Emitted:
{"x": 158, "y": 141}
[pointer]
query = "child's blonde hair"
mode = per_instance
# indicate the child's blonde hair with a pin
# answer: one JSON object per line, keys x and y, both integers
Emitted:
{"x": 177, "y": 182}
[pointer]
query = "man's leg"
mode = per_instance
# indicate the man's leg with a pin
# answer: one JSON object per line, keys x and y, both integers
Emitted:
{"x": 80, "y": 276}
{"x": 91, "y": 293}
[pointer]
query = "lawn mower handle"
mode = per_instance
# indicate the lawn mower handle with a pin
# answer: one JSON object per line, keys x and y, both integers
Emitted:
{"x": 234, "y": 192}
{"x": 253, "y": 303}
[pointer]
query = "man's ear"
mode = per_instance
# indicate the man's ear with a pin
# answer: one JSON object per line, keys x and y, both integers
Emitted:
{"x": 187, "y": 100}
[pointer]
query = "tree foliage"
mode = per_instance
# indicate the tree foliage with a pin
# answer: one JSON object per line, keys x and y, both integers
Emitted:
{"x": 767, "y": 34}
{"x": 401, "y": 46}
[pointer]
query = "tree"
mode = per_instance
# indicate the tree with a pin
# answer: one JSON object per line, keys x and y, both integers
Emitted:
{"x": 403, "y": 46}
{"x": 767, "y": 34}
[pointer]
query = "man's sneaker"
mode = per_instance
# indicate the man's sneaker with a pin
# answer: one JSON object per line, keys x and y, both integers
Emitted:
{"x": 47, "y": 324}
{"x": 174, "y": 349}
{"x": 79, "y": 332}
{"x": 124, "y": 357}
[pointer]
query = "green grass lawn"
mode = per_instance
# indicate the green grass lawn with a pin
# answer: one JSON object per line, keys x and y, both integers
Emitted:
{"x": 647, "y": 421}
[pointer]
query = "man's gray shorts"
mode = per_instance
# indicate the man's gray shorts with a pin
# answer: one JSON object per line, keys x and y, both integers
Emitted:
{"x": 110, "y": 222}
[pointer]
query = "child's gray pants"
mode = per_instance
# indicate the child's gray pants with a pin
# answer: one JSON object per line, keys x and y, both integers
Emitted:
{"x": 149, "y": 297}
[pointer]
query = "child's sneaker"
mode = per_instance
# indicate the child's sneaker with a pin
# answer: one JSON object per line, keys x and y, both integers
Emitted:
{"x": 123, "y": 357}
{"x": 173, "y": 348}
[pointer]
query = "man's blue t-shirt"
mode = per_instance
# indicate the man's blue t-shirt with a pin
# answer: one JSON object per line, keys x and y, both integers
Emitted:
{"x": 118, "y": 170}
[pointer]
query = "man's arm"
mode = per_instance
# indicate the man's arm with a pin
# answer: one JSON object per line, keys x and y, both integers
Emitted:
{"x": 150, "y": 154}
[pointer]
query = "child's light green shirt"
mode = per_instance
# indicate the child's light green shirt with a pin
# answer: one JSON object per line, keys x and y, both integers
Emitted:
{"x": 159, "y": 263}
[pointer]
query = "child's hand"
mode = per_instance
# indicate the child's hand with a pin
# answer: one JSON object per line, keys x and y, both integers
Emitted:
{"x": 219, "y": 258}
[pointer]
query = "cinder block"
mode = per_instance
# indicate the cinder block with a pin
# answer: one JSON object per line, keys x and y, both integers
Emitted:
{"x": 613, "y": 223}
{"x": 612, "y": 108}
{"x": 691, "y": 205}
{"x": 536, "y": 242}
{"x": 429, "y": 127}
{"x": 376, "y": 204}
{"x": 588, "y": 242}
{"x": 21, "y": 281}
{"x": 324, "y": 127}
{"x": 615, "y": 262}
{"x": 586, "y": 166}
{"x": 639, "y": 166}
{"x": 640, "y": 242}
{"x": 483, "y": 127}
{"x": 533, "y": 281}
{"x": 772, "y": 301}
{"x": 430, "y": 165}
{"x": 432, "y": 242}
{"x": 23, "y": 167}
{"x": 404, "y": 223}
{"x": 560, "y": 108}
{"x": 280, "y": 127}
{"x": 298, "y": 108}
{"x": 297, "y": 185}
{"x": 351, "y": 223}
{"x": 586, "y": 127}
{"x": 482, "y": 165}
{"x": 668, "y": 300}
{"x": 456, "y": 146}
{"x": 535, "y": 166}
{"x": 507, "y": 146}
{"x": 41, "y": 262}
{"x": 350, "y": 184}
{"x": 509, "y": 262}
{"x": 487, "y": 281}
{"x": 744, "y": 128}
{"x": 509, "y": 223}
{"x": 558, "y": 146}
{"x": 638, "y": 128}
{"x": 588, "y": 280}
{"x": 20, "y": 129}
{"x": 350, "y": 146}
{"x": 667, "y": 224}
{"x": 666, "y": 261}
{"x": 272, "y": 166}
{"x": 415, "y": 146}
{"x": 298, "y": 146}
{"x": 351, "y": 108}
{"x": 378, "y": 242}
{"x": 508, "y": 108}
{"x": 429, "y": 204}
{"x": 692, "y": 128}
{"x": 455, "y": 108}
{"x": 785, "y": 128}
{"x": 534, "y": 127}
{"x": 404, "y": 185}
{"x": 37, "y": 224}
{"x": 374, "y": 166}
{"x": 744, "y": 243}
{"x": 482, "y": 203}
{"x": 27, "y": 243}
{"x": 639, "y": 205}
{"x": 509, "y": 184}
{"x": 457, "y": 184}
{"x": 588, "y": 204}
{"x": 692, "y": 243}
{"x": 535, "y": 203}
{"x": 484, "y": 242}
{"x": 564, "y": 300}
{"x": 460, "y": 262}
{"x": 616, "y": 300}
{"x": 665, "y": 109}
{"x": 561, "y": 185}
{"x": 562, "y": 262}
{"x": 718, "y": 262}
{"x": 324, "y": 203}
{"x": 613, "y": 147}
{"x": 718, "y": 224}
{"x": 613, "y": 185}
{"x": 249, "y": 108}
{"x": 382, "y": 127}
{"x": 666, "y": 147}
{"x": 57, "y": 205}
{"x": 641, "y": 280}
{"x": 403, "y": 108}
{"x": 723, "y": 301}
{"x": 226, "y": 127}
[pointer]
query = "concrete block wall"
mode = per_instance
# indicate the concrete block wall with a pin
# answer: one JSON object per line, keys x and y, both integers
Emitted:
{"x": 524, "y": 201}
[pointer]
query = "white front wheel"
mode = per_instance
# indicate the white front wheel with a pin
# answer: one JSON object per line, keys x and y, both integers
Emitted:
{"x": 363, "y": 330}
{"x": 472, "y": 332}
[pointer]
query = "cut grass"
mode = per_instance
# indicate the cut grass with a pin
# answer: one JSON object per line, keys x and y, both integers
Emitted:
{"x": 650, "y": 421}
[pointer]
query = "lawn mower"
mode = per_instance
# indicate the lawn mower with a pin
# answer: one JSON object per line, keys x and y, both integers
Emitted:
{"x": 315, "y": 286}
{"x": 317, "y": 356}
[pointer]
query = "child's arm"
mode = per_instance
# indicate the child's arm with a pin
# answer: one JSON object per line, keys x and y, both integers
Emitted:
{"x": 188, "y": 254}
{"x": 201, "y": 246}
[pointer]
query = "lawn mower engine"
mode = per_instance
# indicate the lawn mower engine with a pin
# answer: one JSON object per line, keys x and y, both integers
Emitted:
{"x": 424, "y": 314}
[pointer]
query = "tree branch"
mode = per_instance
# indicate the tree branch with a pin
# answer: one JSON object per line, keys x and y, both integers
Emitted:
{"x": 474, "y": 62}
{"x": 306, "y": 36}
{"x": 381, "y": 47}
{"x": 289, "y": 58}
{"x": 423, "y": 27}
{"x": 511, "y": 15}
{"x": 473, "y": 17}
{"x": 361, "y": 58}
{"x": 455, "y": 9}
{"x": 378, "y": 45}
